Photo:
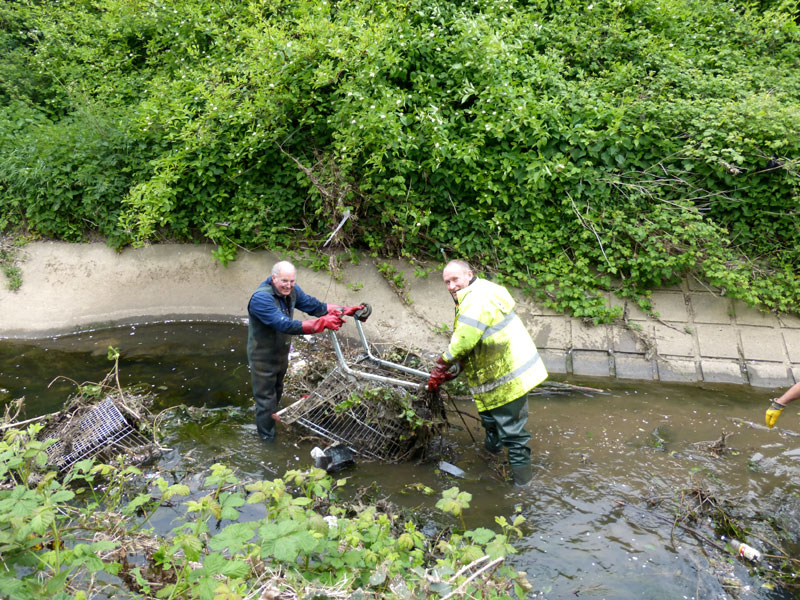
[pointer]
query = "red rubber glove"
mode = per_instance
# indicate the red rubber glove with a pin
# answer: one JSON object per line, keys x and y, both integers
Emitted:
{"x": 439, "y": 374}
{"x": 332, "y": 322}
{"x": 348, "y": 311}
{"x": 351, "y": 310}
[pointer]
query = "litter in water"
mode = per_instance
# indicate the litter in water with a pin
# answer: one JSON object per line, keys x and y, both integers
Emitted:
{"x": 334, "y": 458}
{"x": 369, "y": 409}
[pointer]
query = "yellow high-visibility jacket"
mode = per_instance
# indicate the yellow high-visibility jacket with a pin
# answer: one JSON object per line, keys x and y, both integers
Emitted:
{"x": 499, "y": 358}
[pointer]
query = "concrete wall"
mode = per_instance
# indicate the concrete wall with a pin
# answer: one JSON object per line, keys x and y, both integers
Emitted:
{"x": 700, "y": 335}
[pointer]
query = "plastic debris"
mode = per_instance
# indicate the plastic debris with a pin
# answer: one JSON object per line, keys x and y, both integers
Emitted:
{"x": 451, "y": 469}
{"x": 746, "y": 551}
{"x": 333, "y": 458}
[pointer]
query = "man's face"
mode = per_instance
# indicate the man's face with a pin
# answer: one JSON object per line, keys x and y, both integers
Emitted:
{"x": 284, "y": 282}
{"x": 456, "y": 278}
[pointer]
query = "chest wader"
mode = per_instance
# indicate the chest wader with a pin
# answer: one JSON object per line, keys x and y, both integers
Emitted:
{"x": 505, "y": 426}
{"x": 268, "y": 357}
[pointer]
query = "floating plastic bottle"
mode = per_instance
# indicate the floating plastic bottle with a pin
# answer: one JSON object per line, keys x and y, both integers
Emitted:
{"x": 746, "y": 551}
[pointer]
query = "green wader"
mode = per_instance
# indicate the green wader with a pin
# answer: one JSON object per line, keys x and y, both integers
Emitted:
{"x": 268, "y": 357}
{"x": 505, "y": 426}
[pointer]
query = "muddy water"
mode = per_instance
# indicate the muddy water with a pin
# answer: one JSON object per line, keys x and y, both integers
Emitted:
{"x": 612, "y": 469}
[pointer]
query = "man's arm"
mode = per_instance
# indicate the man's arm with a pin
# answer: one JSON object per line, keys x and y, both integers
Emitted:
{"x": 308, "y": 304}
{"x": 466, "y": 335}
{"x": 793, "y": 393}
{"x": 263, "y": 307}
{"x": 468, "y": 331}
{"x": 777, "y": 404}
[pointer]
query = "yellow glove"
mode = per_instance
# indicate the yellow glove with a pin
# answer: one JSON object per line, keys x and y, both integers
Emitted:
{"x": 773, "y": 412}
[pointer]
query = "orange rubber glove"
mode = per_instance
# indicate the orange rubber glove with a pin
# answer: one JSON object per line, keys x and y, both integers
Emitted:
{"x": 332, "y": 322}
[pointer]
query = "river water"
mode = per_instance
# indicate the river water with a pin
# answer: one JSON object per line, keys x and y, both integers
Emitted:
{"x": 614, "y": 471}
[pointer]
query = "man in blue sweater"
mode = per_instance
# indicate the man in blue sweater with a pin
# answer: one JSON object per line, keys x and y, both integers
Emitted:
{"x": 270, "y": 312}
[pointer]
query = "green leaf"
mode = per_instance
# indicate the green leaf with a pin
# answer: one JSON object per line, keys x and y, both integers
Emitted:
{"x": 233, "y": 537}
{"x": 480, "y": 535}
{"x": 62, "y": 496}
{"x": 272, "y": 530}
{"x": 237, "y": 569}
{"x": 19, "y": 589}
{"x": 307, "y": 541}
{"x": 19, "y": 502}
{"x": 92, "y": 563}
{"x": 213, "y": 564}
{"x": 176, "y": 490}
{"x": 284, "y": 549}
{"x": 192, "y": 546}
{"x": 42, "y": 520}
{"x": 229, "y": 503}
{"x": 56, "y": 584}
{"x": 134, "y": 504}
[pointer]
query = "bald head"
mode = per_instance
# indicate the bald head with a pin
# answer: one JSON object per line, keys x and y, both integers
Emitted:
{"x": 283, "y": 266}
{"x": 457, "y": 275}
{"x": 458, "y": 263}
{"x": 284, "y": 276}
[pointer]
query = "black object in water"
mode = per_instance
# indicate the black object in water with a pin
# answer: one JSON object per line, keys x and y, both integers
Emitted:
{"x": 334, "y": 458}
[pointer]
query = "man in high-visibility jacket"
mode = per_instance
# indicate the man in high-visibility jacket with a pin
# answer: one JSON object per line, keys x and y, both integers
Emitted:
{"x": 499, "y": 359}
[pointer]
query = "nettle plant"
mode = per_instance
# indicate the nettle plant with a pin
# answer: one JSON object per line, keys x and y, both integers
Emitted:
{"x": 89, "y": 533}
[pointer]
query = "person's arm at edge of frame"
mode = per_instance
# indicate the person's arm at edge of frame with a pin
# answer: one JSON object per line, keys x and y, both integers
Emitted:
{"x": 778, "y": 404}
{"x": 793, "y": 393}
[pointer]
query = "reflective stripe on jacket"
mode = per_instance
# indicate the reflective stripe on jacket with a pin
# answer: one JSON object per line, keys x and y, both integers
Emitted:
{"x": 500, "y": 360}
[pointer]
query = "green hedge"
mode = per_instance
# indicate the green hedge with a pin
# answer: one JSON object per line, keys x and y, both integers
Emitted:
{"x": 570, "y": 147}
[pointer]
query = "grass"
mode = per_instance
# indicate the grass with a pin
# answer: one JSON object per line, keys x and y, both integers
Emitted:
{"x": 9, "y": 256}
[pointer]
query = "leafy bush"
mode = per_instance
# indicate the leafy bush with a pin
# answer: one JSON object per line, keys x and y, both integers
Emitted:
{"x": 571, "y": 148}
{"x": 63, "y": 538}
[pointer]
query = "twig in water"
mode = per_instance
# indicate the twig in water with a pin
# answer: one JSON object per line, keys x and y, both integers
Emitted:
{"x": 453, "y": 402}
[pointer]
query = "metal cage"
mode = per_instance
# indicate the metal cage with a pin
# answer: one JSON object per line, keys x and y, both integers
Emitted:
{"x": 101, "y": 428}
{"x": 360, "y": 425}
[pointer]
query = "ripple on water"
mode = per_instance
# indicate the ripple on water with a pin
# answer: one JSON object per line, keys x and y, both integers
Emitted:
{"x": 610, "y": 468}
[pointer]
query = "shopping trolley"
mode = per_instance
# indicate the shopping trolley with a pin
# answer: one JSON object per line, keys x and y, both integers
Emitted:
{"x": 361, "y": 406}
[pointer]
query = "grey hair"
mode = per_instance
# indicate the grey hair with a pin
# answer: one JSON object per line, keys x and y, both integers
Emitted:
{"x": 282, "y": 266}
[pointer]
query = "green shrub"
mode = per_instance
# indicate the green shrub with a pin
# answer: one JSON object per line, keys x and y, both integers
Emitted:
{"x": 571, "y": 148}
{"x": 62, "y": 538}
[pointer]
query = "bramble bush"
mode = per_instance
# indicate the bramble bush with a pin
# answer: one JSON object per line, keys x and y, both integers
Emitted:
{"x": 88, "y": 533}
{"x": 570, "y": 148}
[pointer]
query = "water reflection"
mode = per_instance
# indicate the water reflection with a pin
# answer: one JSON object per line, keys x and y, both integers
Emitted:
{"x": 611, "y": 469}
{"x": 200, "y": 364}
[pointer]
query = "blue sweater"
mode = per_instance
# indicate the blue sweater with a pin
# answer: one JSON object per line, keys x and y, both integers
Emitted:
{"x": 276, "y": 311}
